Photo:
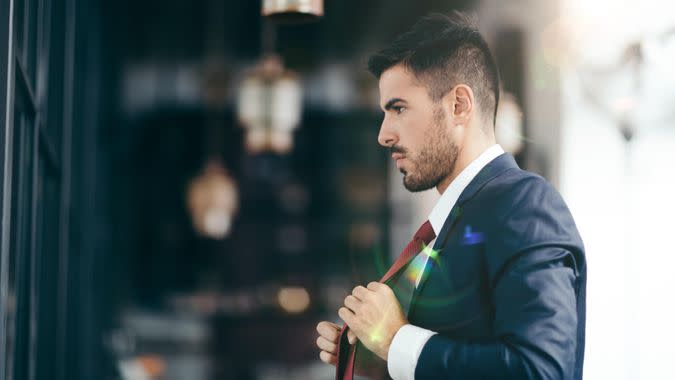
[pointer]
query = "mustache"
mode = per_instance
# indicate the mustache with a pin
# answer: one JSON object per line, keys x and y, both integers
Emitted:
{"x": 397, "y": 149}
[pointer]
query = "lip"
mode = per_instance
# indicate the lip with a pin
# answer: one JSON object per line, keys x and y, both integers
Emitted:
{"x": 398, "y": 159}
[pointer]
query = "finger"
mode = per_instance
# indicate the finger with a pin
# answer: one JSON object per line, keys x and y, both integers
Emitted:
{"x": 328, "y": 357}
{"x": 353, "y": 303}
{"x": 335, "y": 325}
{"x": 329, "y": 330}
{"x": 346, "y": 315}
{"x": 326, "y": 345}
{"x": 351, "y": 336}
{"x": 374, "y": 286}
{"x": 360, "y": 292}
{"x": 328, "y": 325}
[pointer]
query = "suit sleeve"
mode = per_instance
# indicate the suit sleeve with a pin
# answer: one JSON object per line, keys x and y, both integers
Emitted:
{"x": 534, "y": 279}
{"x": 535, "y": 323}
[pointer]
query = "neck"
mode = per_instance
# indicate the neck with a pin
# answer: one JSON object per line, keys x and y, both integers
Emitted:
{"x": 468, "y": 152}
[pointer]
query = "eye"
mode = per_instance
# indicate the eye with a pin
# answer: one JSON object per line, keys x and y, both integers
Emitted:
{"x": 398, "y": 109}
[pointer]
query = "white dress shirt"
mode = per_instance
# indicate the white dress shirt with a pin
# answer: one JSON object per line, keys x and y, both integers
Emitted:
{"x": 408, "y": 342}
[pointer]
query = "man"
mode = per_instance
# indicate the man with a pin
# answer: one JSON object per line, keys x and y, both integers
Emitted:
{"x": 502, "y": 293}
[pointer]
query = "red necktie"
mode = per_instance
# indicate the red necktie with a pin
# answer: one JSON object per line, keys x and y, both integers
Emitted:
{"x": 344, "y": 370}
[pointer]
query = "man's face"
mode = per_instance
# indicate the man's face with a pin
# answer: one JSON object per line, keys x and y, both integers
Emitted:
{"x": 416, "y": 130}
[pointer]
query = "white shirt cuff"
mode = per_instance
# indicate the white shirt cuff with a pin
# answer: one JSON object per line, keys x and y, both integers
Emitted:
{"x": 405, "y": 350}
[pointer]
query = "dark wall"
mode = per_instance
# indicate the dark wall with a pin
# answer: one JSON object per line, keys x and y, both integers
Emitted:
{"x": 52, "y": 307}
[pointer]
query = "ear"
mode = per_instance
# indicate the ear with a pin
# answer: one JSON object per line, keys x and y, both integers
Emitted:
{"x": 460, "y": 102}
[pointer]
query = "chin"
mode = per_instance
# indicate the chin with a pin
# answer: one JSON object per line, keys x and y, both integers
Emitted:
{"x": 414, "y": 186}
{"x": 417, "y": 184}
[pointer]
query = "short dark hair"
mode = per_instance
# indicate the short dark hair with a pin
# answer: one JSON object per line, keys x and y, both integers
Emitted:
{"x": 443, "y": 51}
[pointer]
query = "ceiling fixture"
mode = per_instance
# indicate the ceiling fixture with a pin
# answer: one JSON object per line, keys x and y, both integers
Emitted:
{"x": 293, "y": 11}
{"x": 212, "y": 201}
{"x": 212, "y": 196}
{"x": 270, "y": 106}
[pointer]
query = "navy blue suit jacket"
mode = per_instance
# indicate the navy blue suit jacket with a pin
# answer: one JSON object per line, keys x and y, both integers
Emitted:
{"x": 506, "y": 292}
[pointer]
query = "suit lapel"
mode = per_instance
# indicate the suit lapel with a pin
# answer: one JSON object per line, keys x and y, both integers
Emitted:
{"x": 493, "y": 169}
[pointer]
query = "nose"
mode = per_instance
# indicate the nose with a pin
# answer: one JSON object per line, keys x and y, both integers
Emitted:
{"x": 387, "y": 136}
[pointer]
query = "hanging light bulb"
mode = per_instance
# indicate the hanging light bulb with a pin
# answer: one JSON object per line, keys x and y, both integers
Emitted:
{"x": 269, "y": 106}
{"x": 293, "y": 11}
{"x": 212, "y": 201}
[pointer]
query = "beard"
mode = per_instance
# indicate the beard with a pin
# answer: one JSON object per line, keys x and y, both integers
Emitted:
{"x": 435, "y": 162}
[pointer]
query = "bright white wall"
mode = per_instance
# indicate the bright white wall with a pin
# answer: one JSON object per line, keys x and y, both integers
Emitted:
{"x": 622, "y": 195}
{"x": 622, "y": 198}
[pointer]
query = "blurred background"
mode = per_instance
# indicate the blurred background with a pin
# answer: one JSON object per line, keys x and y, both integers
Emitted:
{"x": 190, "y": 186}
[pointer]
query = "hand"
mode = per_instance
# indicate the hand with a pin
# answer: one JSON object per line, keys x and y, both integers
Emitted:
{"x": 329, "y": 333}
{"x": 374, "y": 315}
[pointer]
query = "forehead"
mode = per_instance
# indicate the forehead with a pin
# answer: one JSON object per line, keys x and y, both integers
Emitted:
{"x": 398, "y": 82}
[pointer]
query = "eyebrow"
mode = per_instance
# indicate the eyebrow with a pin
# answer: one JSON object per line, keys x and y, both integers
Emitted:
{"x": 391, "y": 103}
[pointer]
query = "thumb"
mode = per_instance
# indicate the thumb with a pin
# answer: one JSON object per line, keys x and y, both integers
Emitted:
{"x": 351, "y": 337}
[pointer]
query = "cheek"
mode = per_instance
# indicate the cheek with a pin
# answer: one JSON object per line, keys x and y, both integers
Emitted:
{"x": 411, "y": 133}
{"x": 417, "y": 137}
{"x": 413, "y": 127}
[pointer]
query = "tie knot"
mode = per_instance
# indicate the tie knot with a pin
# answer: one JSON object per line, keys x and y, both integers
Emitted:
{"x": 425, "y": 233}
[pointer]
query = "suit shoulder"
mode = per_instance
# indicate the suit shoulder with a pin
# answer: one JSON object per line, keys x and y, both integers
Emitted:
{"x": 528, "y": 212}
{"x": 518, "y": 189}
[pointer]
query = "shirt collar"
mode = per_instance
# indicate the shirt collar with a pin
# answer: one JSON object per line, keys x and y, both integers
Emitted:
{"x": 447, "y": 201}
